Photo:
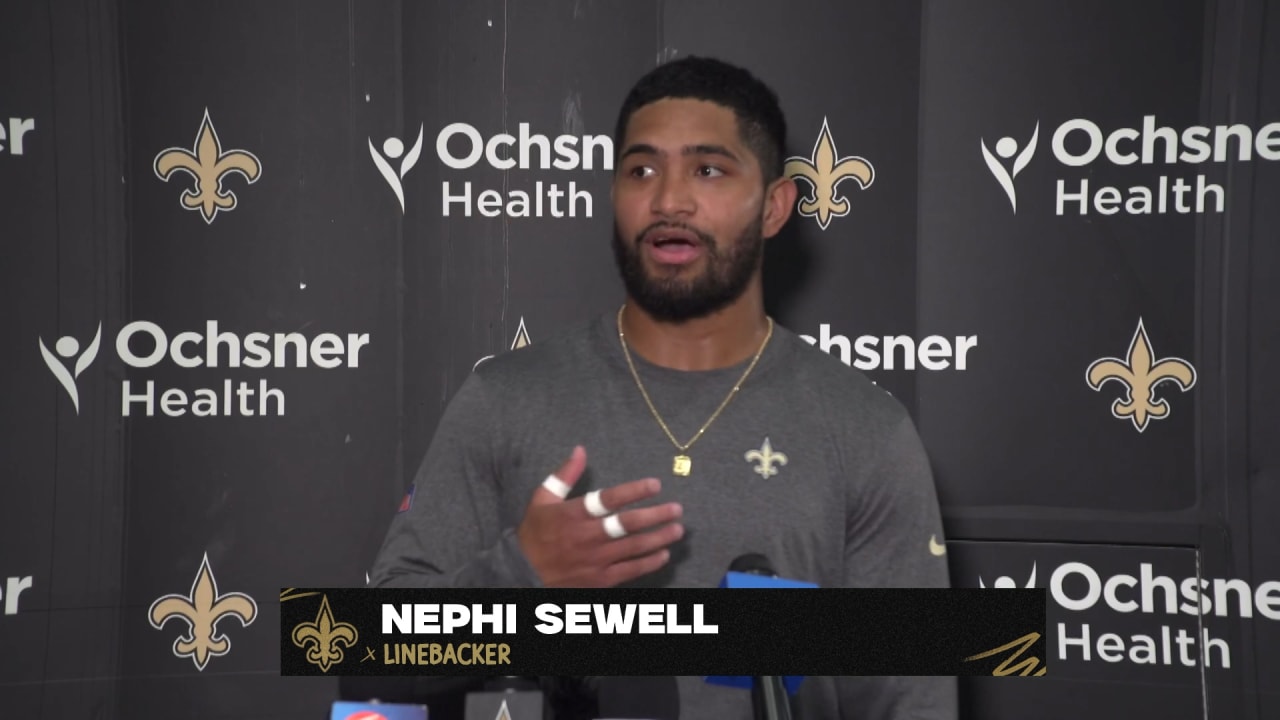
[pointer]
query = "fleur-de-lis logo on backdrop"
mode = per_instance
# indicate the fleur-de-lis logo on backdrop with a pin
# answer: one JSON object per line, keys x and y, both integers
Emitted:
{"x": 520, "y": 340}
{"x": 208, "y": 164}
{"x": 824, "y": 171}
{"x": 1140, "y": 375}
{"x": 67, "y": 347}
{"x": 201, "y": 610}
{"x": 323, "y": 638}
{"x": 766, "y": 459}
{"x": 394, "y": 148}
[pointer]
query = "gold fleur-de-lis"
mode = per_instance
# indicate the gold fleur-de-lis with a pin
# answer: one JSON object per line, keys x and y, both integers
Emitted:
{"x": 824, "y": 171}
{"x": 208, "y": 164}
{"x": 521, "y": 338}
{"x": 1017, "y": 648}
{"x": 766, "y": 458}
{"x": 325, "y": 637}
{"x": 201, "y": 610}
{"x": 1140, "y": 375}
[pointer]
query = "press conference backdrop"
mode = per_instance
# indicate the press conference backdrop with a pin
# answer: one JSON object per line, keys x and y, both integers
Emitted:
{"x": 252, "y": 249}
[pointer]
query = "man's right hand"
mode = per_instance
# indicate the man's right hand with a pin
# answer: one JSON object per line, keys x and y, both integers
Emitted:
{"x": 570, "y": 548}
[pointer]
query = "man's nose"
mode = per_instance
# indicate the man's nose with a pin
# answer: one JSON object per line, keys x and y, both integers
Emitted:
{"x": 674, "y": 196}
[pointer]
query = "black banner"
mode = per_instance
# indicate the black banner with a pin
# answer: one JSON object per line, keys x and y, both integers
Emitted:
{"x": 662, "y": 632}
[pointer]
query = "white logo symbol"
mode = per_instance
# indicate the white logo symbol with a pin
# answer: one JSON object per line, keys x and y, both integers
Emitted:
{"x": 394, "y": 148}
{"x": 67, "y": 347}
{"x": 1005, "y": 148}
{"x": 1006, "y": 582}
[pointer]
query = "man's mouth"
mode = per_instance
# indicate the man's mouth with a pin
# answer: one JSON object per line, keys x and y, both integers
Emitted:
{"x": 672, "y": 237}
{"x": 673, "y": 247}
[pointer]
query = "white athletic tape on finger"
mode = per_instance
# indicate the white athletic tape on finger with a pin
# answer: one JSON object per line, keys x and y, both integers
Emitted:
{"x": 556, "y": 486}
{"x": 594, "y": 506}
{"x": 613, "y": 526}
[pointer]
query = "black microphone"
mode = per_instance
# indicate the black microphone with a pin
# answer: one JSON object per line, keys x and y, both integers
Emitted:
{"x": 520, "y": 697}
{"x": 637, "y": 698}
{"x": 768, "y": 692}
{"x": 752, "y": 564}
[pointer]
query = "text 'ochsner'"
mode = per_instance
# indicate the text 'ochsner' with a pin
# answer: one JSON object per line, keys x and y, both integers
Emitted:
{"x": 1080, "y": 142}
{"x": 571, "y": 618}
{"x": 461, "y": 147}
{"x": 143, "y": 344}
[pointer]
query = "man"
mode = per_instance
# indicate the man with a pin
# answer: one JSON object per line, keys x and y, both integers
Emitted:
{"x": 685, "y": 428}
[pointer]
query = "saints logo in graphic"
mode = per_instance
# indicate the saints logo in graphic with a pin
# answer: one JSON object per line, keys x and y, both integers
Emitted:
{"x": 323, "y": 638}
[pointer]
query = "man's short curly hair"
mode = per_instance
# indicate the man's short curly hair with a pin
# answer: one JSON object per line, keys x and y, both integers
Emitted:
{"x": 761, "y": 124}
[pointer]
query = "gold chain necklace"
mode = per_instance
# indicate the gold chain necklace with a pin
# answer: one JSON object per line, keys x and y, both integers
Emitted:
{"x": 683, "y": 464}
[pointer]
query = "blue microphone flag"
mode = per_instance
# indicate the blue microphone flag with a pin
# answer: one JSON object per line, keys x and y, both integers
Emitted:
{"x": 741, "y": 580}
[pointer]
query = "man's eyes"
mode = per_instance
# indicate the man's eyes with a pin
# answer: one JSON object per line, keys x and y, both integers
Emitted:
{"x": 709, "y": 171}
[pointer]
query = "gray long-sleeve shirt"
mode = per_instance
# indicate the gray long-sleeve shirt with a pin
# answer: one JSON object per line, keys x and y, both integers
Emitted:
{"x": 853, "y": 506}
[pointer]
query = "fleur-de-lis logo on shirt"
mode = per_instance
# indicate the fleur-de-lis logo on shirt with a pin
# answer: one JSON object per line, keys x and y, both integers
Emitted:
{"x": 824, "y": 171}
{"x": 1140, "y": 375}
{"x": 208, "y": 165}
{"x": 766, "y": 458}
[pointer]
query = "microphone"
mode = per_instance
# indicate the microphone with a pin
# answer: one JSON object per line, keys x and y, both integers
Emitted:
{"x": 753, "y": 570}
{"x": 507, "y": 697}
{"x": 395, "y": 697}
{"x": 768, "y": 693}
{"x": 638, "y": 698}
{"x": 348, "y": 710}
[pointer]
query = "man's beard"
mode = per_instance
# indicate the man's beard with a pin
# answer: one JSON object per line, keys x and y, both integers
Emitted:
{"x": 671, "y": 298}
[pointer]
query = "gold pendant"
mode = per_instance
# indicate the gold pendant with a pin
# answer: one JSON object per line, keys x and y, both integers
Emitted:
{"x": 682, "y": 465}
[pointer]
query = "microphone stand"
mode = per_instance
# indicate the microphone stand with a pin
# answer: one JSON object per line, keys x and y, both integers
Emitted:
{"x": 769, "y": 698}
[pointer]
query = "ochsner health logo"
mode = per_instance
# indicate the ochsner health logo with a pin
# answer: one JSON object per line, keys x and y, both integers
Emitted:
{"x": 67, "y": 348}
{"x": 142, "y": 345}
{"x": 1160, "y": 185}
{"x": 1006, "y": 147}
{"x": 393, "y": 149}
{"x": 1173, "y": 635}
{"x": 1005, "y": 582}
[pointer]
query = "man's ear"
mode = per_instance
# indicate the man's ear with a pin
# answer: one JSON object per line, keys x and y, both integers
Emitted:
{"x": 779, "y": 201}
